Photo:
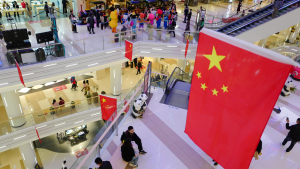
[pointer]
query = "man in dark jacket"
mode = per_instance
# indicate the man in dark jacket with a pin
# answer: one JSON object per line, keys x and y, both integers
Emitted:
{"x": 64, "y": 3}
{"x": 190, "y": 15}
{"x": 173, "y": 27}
{"x": 112, "y": 8}
{"x": 294, "y": 134}
{"x": 91, "y": 23}
{"x": 139, "y": 66}
{"x": 186, "y": 12}
{"x": 130, "y": 133}
{"x": 98, "y": 14}
{"x": 103, "y": 164}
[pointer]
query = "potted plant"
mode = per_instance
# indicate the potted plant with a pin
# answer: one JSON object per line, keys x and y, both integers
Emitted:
{"x": 72, "y": 104}
{"x": 88, "y": 96}
{"x": 95, "y": 94}
{"x": 52, "y": 110}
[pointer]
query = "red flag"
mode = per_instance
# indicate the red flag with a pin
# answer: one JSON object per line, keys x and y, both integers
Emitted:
{"x": 37, "y": 133}
{"x": 20, "y": 73}
{"x": 108, "y": 106}
{"x": 128, "y": 50}
{"x": 234, "y": 90}
{"x": 186, "y": 47}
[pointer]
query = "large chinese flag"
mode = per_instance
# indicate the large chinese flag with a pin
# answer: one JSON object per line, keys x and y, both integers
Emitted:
{"x": 234, "y": 90}
{"x": 128, "y": 50}
{"x": 108, "y": 106}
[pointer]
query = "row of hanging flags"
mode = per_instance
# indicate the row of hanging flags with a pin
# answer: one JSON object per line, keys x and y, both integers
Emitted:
{"x": 235, "y": 86}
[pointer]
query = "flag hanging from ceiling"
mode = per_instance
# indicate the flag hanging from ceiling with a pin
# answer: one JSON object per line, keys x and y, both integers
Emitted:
{"x": 108, "y": 106}
{"x": 234, "y": 90}
{"x": 20, "y": 73}
{"x": 128, "y": 50}
{"x": 37, "y": 133}
{"x": 186, "y": 47}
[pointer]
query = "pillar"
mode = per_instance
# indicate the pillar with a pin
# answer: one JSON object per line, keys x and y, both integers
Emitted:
{"x": 116, "y": 79}
{"x": 181, "y": 64}
{"x": 28, "y": 155}
{"x": 13, "y": 108}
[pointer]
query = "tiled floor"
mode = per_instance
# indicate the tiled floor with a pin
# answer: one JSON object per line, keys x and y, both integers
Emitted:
{"x": 162, "y": 134}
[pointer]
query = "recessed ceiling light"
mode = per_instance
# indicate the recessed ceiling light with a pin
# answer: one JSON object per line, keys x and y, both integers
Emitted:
{"x": 156, "y": 49}
{"x": 184, "y": 51}
{"x": 37, "y": 86}
{"x": 144, "y": 52}
{"x": 50, "y": 65}
{"x": 3, "y": 84}
{"x": 27, "y": 74}
{"x": 72, "y": 65}
{"x": 110, "y": 52}
{"x": 49, "y": 83}
{"x": 172, "y": 46}
{"x": 93, "y": 64}
{"x": 24, "y": 90}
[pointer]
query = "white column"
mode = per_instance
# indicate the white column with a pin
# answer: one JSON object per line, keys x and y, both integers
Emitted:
{"x": 13, "y": 108}
{"x": 181, "y": 64}
{"x": 116, "y": 79}
{"x": 294, "y": 34}
{"x": 28, "y": 155}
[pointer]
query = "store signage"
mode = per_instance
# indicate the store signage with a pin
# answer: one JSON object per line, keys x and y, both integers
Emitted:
{"x": 81, "y": 152}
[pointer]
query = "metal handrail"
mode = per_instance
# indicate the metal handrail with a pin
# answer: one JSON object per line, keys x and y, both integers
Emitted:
{"x": 260, "y": 17}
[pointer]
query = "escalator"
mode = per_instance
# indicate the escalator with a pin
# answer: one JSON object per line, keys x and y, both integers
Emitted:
{"x": 259, "y": 17}
{"x": 177, "y": 89}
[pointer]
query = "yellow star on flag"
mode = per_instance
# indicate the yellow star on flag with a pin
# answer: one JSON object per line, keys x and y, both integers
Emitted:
{"x": 130, "y": 45}
{"x": 103, "y": 100}
{"x": 215, "y": 92}
{"x": 214, "y": 59}
{"x": 224, "y": 88}
{"x": 199, "y": 75}
{"x": 203, "y": 86}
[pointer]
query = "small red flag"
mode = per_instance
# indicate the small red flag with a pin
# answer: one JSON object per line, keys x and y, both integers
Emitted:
{"x": 20, "y": 73}
{"x": 37, "y": 133}
{"x": 235, "y": 87}
{"x": 187, "y": 46}
{"x": 108, "y": 106}
{"x": 128, "y": 50}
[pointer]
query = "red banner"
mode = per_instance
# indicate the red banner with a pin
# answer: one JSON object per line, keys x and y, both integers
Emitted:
{"x": 81, "y": 152}
{"x": 20, "y": 73}
{"x": 128, "y": 50}
{"x": 234, "y": 90}
{"x": 186, "y": 47}
{"x": 59, "y": 88}
{"x": 108, "y": 106}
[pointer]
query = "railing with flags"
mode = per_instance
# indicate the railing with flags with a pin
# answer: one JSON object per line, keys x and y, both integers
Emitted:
{"x": 39, "y": 53}
{"x": 99, "y": 143}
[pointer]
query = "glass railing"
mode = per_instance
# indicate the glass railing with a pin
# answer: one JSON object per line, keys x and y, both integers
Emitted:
{"x": 177, "y": 74}
{"x": 105, "y": 135}
{"x": 56, "y": 51}
{"x": 159, "y": 80}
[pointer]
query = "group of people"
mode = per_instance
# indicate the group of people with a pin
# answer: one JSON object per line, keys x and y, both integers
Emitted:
{"x": 50, "y": 9}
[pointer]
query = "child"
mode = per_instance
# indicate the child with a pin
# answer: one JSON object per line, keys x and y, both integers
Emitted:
{"x": 141, "y": 20}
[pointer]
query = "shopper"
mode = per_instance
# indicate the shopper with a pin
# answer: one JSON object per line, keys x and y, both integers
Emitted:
{"x": 16, "y": 6}
{"x": 23, "y": 4}
{"x": 52, "y": 9}
{"x": 91, "y": 23}
{"x": 139, "y": 66}
{"x": 187, "y": 27}
{"x": 64, "y": 3}
{"x": 293, "y": 135}
{"x": 98, "y": 14}
{"x": 186, "y": 12}
{"x": 239, "y": 7}
{"x": 128, "y": 153}
{"x": 103, "y": 164}
{"x": 131, "y": 134}
{"x": 73, "y": 22}
{"x": 201, "y": 24}
{"x": 172, "y": 28}
{"x": 277, "y": 5}
{"x": 112, "y": 8}
{"x": 64, "y": 164}
{"x": 61, "y": 102}
{"x": 189, "y": 15}
{"x": 83, "y": 85}
{"x": 29, "y": 13}
{"x": 74, "y": 83}
{"x": 54, "y": 104}
{"x": 46, "y": 8}
{"x": 102, "y": 21}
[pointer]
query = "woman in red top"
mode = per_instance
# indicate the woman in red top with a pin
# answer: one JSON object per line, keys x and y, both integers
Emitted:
{"x": 23, "y": 4}
{"x": 61, "y": 102}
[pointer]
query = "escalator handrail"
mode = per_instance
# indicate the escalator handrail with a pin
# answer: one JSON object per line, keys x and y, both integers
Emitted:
{"x": 172, "y": 75}
{"x": 260, "y": 17}
{"x": 245, "y": 10}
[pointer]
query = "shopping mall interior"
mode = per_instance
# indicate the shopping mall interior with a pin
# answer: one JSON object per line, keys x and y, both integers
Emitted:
{"x": 36, "y": 132}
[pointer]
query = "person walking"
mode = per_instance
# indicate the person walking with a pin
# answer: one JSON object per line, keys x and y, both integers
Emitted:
{"x": 91, "y": 23}
{"x": 186, "y": 12}
{"x": 239, "y": 7}
{"x": 187, "y": 27}
{"x": 64, "y": 165}
{"x": 73, "y": 22}
{"x": 277, "y": 5}
{"x": 201, "y": 24}
{"x": 98, "y": 14}
{"x": 189, "y": 15}
{"x": 173, "y": 25}
{"x": 64, "y": 3}
{"x": 139, "y": 66}
{"x": 128, "y": 153}
{"x": 293, "y": 135}
{"x": 28, "y": 8}
{"x": 46, "y": 8}
{"x": 52, "y": 8}
{"x": 102, "y": 20}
